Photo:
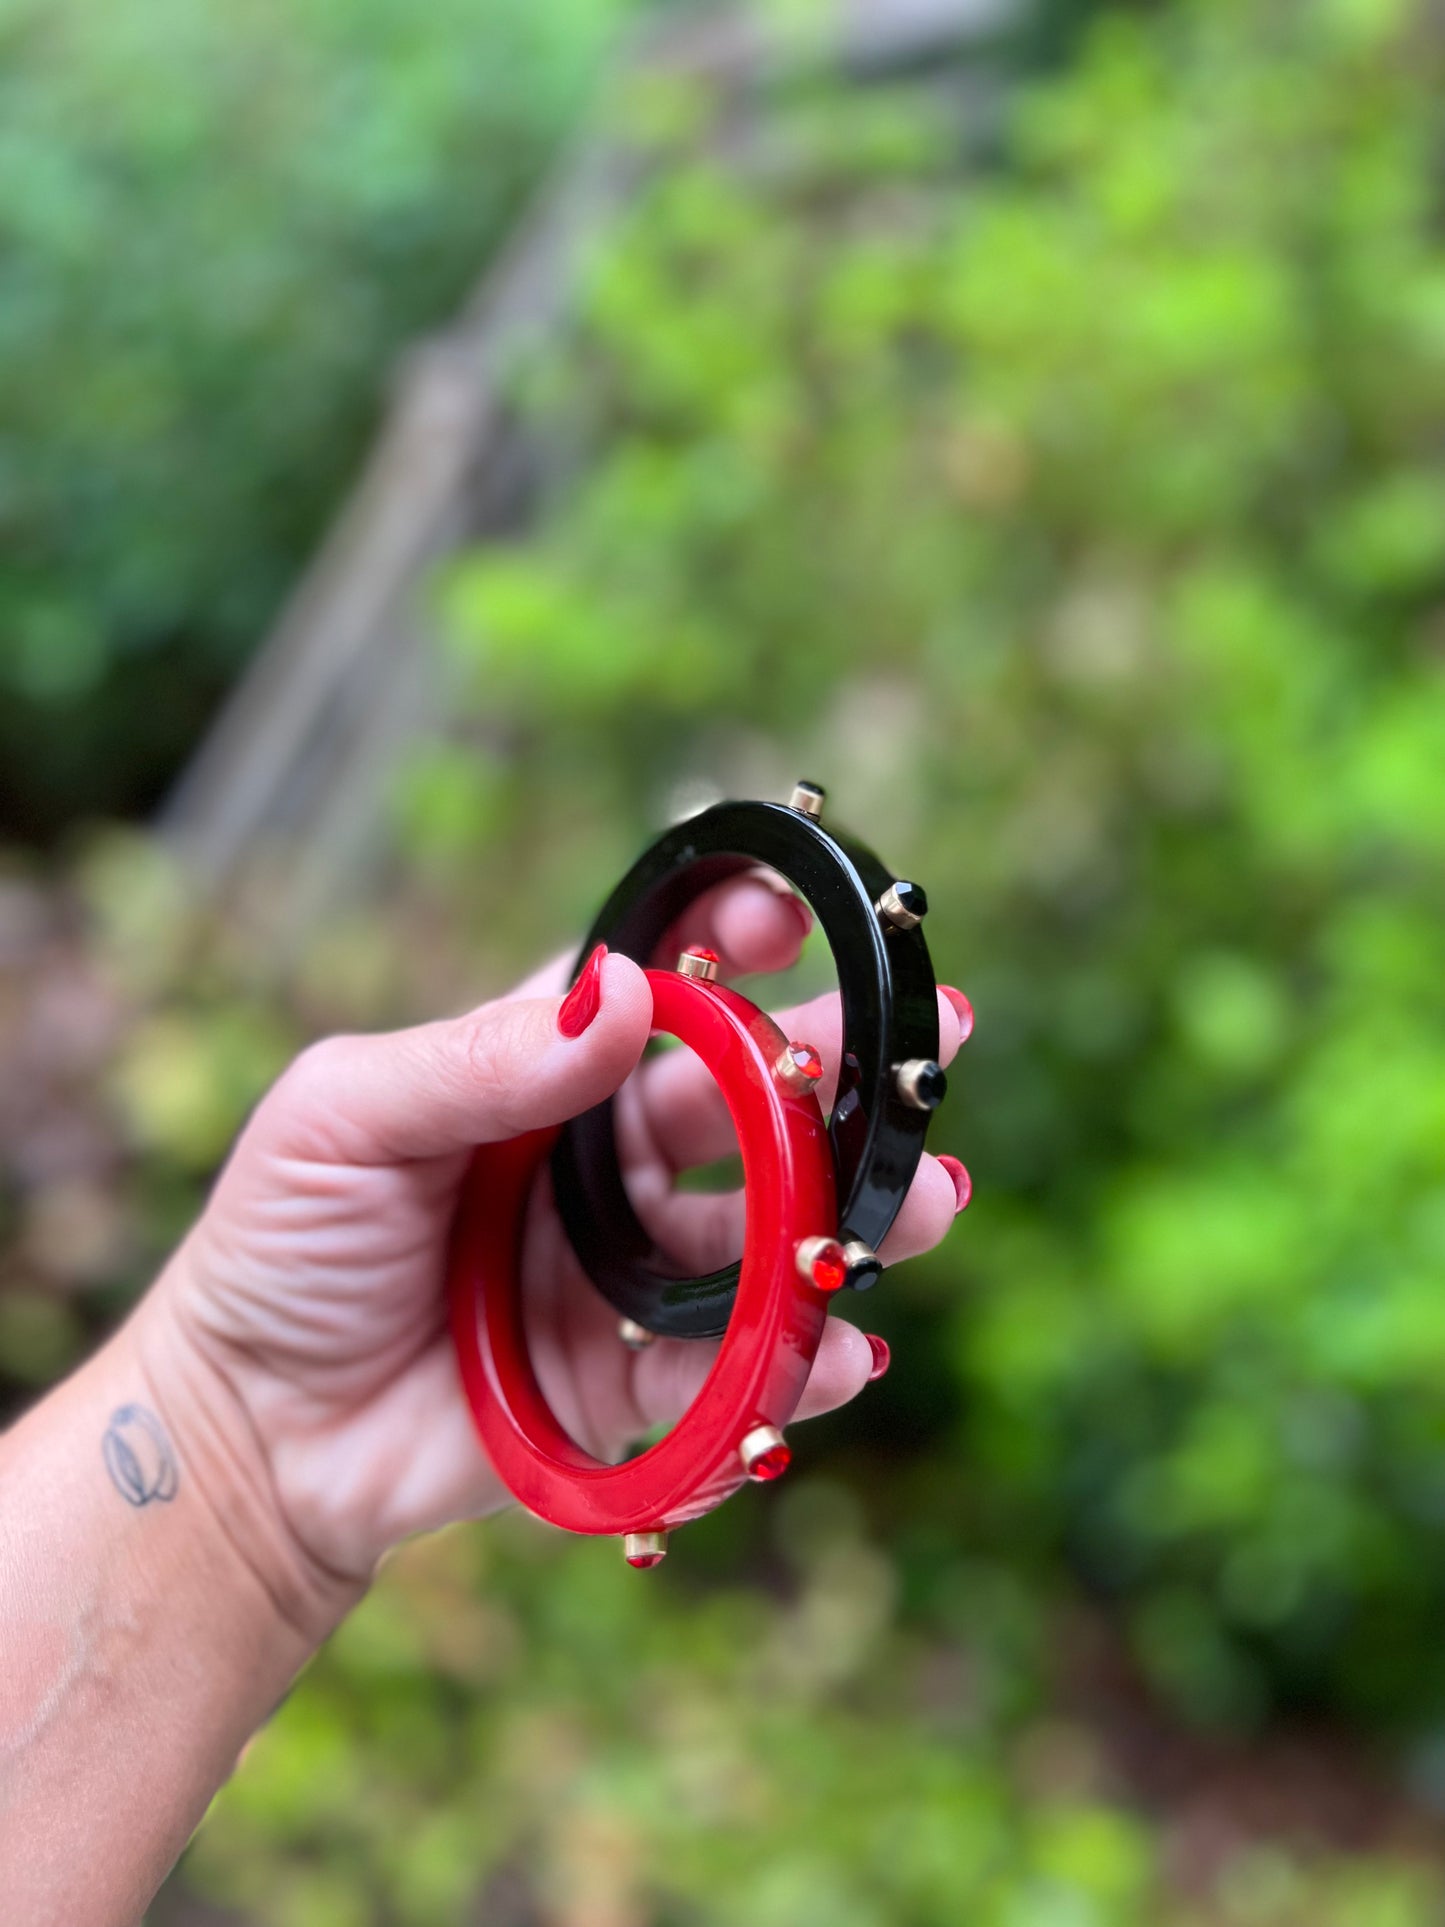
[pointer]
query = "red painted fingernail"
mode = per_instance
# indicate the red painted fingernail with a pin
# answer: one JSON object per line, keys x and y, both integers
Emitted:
{"x": 963, "y": 1008}
{"x": 882, "y": 1357}
{"x": 584, "y": 999}
{"x": 962, "y": 1182}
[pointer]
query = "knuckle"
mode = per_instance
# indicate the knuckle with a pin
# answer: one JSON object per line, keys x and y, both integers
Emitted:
{"x": 490, "y": 1046}
{"x": 312, "y": 1076}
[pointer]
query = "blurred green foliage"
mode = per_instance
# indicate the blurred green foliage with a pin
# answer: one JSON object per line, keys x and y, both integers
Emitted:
{"x": 516, "y": 1729}
{"x": 217, "y": 223}
{"x": 1084, "y": 526}
{"x": 1079, "y": 522}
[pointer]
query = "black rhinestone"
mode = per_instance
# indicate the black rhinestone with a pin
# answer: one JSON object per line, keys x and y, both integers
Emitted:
{"x": 864, "y": 1274}
{"x": 923, "y": 1084}
{"x": 912, "y": 897}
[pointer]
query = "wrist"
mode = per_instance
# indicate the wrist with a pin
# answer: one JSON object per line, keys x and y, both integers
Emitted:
{"x": 224, "y": 1461}
{"x": 151, "y": 1624}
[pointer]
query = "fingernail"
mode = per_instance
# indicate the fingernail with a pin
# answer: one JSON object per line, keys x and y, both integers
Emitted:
{"x": 584, "y": 999}
{"x": 963, "y": 1009}
{"x": 882, "y": 1357}
{"x": 962, "y": 1182}
{"x": 803, "y": 914}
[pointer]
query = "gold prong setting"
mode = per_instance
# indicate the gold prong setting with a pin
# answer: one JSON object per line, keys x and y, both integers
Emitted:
{"x": 765, "y": 1453}
{"x": 799, "y": 1067}
{"x": 921, "y": 1083}
{"x": 699, "y": 963}
{"x": 865, "y": 1267}
{"x": 823, "y": 1263}
{"x": 902, "y": 906}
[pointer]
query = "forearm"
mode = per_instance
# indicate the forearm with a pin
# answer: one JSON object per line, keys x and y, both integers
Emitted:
{"x": 142, "y": 1643}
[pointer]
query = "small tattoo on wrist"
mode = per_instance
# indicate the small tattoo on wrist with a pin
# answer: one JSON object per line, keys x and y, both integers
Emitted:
{"x": 138, "y": 1456}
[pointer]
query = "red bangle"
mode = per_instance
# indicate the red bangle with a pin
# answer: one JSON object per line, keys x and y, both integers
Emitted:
{"x": 791, "y": 1264}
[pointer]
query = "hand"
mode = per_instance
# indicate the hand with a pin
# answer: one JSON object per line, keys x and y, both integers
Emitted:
{"x": 302, "y": 1327}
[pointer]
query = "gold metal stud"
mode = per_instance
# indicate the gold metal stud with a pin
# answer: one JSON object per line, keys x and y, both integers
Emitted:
{"x": 700, "y": 964}
{"x": 643, "y": 1550}
{"x": 865, "y": 1267}
{"x": 799, "y": 1067}
{"x": 903, "y": 905}
{"x": 821, "y": 1262}
{"x": 765, "y": 1454}
{"x": 807, "y": 798}
{"x": 921, "y": 1083}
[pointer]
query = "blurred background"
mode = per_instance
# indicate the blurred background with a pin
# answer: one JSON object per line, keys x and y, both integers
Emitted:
{"x": 441, "y": 443}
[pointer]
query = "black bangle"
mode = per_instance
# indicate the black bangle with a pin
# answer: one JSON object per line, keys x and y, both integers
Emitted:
{"x": 890, "y": 1083}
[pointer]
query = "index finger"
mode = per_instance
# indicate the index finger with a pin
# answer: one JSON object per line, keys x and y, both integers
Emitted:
{"x": 753, "y": 922}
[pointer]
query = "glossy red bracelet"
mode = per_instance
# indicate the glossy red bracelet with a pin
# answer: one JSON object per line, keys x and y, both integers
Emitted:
{"x": 733, "y": 1430}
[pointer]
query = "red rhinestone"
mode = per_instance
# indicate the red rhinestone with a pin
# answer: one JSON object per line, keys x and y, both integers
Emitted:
{"x": 806, "y": 1061}
{"x": 773, "y": 1463}
{"x": 830, "y": 1268}
{"x": 644, "y": 1561}
{"x": 700, "y": 950}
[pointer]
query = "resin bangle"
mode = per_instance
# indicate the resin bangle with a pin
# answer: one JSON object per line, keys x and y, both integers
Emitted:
{"x": 890, "y": 1082}
{"x": 791, "y": 1264}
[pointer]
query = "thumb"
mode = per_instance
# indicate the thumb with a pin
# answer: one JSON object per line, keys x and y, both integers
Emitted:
{"x": 440, "y": 1088}
{"x": 668, "y": 1376}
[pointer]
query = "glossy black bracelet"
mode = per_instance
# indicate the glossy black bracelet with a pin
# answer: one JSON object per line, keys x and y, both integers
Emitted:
{"x": 891, "y": 1081}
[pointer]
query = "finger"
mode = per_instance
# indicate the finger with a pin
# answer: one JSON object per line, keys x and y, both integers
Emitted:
{"x": 698, "y": 1230}
{"x": 668, "y": 1376}
{"x": 673, "y": 1113}
{"x": 926, "y": 1215}
{"x": 747, "y": 932}
{"x": 753, "y": 922}
{"x": 495, "y": 1073}
{"x": 702, "y": 1231}
{"x": 840, "y": 1371}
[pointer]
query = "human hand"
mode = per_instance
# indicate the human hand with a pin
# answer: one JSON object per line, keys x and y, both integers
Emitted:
{"x": 298, "y": 1342}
